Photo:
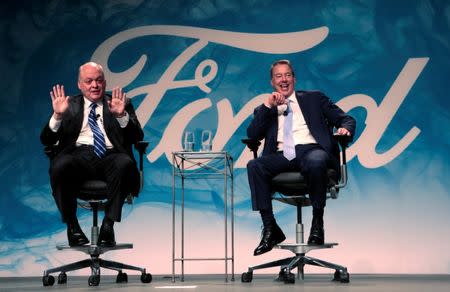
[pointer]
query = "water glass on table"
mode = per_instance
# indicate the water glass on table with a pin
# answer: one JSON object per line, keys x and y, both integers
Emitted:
{"x": 189, "y": 141}
{"x": 206, "y": 140}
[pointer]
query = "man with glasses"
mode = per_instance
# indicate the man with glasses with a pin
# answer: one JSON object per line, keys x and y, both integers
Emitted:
{"x": 295, "y": 129}
{"x": 93, "y": 133}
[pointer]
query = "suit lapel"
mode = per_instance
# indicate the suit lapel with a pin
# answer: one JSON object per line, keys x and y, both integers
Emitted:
{"x": 106, "y": 117}
{"x": 110, "y": 124}
{"x": 302, "y": 102}
{"x": 78, "y": 112}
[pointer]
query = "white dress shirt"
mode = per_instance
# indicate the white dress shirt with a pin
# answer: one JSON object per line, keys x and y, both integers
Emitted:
{"x": 301, "y": 132}
{"x": 86, "y": 136}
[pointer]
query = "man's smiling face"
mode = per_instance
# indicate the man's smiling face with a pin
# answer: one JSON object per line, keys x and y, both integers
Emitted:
{"x": 283, "y": 80}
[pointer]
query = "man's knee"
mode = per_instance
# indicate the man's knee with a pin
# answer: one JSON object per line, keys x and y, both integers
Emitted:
{"x": 61, "y": 166}
{"x": 317, "y": 158}
{"x": 251, "y": 164}
{"x": 255, "y": 166}
{"x": 124, "y": 163}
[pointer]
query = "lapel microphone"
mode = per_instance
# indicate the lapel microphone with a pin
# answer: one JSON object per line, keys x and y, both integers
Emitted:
{"x": 97, "y": 117}
{"x": 285, "y": 113}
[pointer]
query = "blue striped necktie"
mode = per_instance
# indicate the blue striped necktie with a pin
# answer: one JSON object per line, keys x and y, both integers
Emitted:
{"x": 99, "y": 139}
{"x": 288, "y": 137}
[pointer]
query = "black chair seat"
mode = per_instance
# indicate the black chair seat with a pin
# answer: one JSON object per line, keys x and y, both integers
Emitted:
{"x": 294, "y": 183}
{"x": 93, "y": 190}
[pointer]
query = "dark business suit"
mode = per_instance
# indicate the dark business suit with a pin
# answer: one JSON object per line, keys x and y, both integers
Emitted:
{"x": 73, "y": 164}
{"x": 312, "y": 160}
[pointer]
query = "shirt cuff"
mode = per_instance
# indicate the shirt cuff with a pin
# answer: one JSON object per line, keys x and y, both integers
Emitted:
{"x": 123, "y": 121}
{"x": 54, "y": 124}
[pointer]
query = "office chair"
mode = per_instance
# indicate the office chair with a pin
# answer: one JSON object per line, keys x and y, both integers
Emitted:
{"x": 93, "y": 196}
{"x": 291, "y": 188}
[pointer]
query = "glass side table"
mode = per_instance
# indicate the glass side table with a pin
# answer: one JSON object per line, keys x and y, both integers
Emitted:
{"x": 203, "y": 165}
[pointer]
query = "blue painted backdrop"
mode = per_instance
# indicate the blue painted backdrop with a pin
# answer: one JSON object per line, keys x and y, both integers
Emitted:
{"x": 194, "y": 65}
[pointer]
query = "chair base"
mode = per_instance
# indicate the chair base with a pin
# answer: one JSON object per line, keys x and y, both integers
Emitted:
{"x": 298, "y": 261}
{"x": 93, "y": 249}
{"x": 303, "y": 248}
{"x": 95, "y": 263}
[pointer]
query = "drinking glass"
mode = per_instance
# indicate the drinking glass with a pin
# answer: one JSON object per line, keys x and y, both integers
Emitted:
{"x": 206, "y": 140}
{"x": 189, "y": 141}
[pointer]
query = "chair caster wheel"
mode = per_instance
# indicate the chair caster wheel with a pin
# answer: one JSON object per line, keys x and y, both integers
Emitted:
{"x": 94, "y": 280}
{"x": 286, "y": 277}
{"x": 146, "y": 278}
{"x": 48, "y": 280}
{"x": 62, "y": 278}
{"x": 341, "y": 276}
{"x": 122, "y": 278}
{"x": 289, "y": 278}
{"x": 247, "y": 277}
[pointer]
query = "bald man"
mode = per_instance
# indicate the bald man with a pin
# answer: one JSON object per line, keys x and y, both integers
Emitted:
{"x": 94, "y": 133}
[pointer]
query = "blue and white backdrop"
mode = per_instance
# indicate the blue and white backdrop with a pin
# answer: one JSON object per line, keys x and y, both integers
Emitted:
{"x": 194, "y": 65}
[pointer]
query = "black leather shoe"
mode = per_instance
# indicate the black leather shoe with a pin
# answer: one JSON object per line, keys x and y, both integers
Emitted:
{"x": 271, "y": 236}
{"x": 106, "y": 237}
{"x": 316, "y": 236}
{"x": 75, "y": 235}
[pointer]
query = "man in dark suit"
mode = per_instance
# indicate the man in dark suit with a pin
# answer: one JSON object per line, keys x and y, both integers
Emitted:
{"x": 94, "y": 134}
{"x": 309, "y": 137}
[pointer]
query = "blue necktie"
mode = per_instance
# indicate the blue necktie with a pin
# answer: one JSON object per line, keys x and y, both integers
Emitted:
{"x": 288, "y": 138}
{"x": 99, "y": 139}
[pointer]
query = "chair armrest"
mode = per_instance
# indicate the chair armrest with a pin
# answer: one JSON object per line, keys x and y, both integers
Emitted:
{"x": 51, "y": 151}
{"x": 141, "y": 147}
{"x": 343, "y": 142}
{"x": 253, "y": 145}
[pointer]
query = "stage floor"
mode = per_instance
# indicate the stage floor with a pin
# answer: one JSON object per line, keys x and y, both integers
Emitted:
{"x": 260, "y": 283}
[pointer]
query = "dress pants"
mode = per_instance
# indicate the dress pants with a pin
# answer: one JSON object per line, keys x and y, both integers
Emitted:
{"x": 311, "y": 160}
{"x": 69, "y": 170}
